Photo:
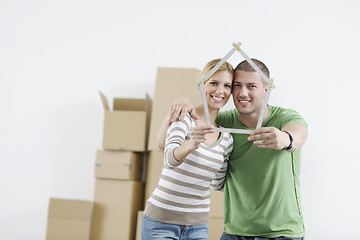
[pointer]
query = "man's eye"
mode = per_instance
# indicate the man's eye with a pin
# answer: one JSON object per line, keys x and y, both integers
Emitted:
{"x": 228, "y": 86}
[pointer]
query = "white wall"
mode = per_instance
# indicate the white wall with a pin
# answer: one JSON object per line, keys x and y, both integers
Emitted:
{"x": 56, "y": 55}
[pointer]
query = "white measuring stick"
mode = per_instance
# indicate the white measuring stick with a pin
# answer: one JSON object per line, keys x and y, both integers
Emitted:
{"x": 257, "y": 69}
{"x": 234, "y": 130}
{"x": 222, "y": 61}
{"x": 263, "y": 108}
{"x": 203, "y": 98}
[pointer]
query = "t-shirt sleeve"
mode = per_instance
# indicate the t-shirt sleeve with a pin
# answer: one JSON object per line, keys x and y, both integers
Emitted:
{"x": 292, "y": 116}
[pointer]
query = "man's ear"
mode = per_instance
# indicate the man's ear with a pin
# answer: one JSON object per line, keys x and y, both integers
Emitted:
{"x": 265, "y": 91}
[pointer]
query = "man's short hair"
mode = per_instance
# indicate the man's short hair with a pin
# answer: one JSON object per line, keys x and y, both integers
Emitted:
{"x": 245, "y": 66}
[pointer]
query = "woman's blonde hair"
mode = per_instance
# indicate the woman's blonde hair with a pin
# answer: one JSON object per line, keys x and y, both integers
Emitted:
{"x": 211, "y": 64}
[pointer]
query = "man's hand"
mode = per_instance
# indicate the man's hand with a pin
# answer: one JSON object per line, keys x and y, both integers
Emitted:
{"x": 273, "y": 138}
{"x": 180, "y": 107}
{"x": 269, "y": 137}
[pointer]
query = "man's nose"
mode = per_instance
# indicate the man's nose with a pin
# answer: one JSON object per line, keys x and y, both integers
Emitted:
{"x": 243, "y": 92}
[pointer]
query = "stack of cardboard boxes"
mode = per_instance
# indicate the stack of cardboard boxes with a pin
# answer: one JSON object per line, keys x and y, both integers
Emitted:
{"x": 216, "y": 220}
{"x": 119, "y": 187}
{"x": 130, "y": 157}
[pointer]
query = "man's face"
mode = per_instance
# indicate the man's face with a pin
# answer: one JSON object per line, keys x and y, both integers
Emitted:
{"x": 248, "y": 92}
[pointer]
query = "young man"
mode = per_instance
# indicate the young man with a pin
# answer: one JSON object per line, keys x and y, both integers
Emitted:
{"x": 262, "y": 188}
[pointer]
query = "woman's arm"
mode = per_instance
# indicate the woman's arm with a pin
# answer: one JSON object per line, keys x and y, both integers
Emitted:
{"x": 178, "y": 110}
{"x": 218, "y": 182}
{"x": 176, "y": 145}
{"x": 161, "y": 136}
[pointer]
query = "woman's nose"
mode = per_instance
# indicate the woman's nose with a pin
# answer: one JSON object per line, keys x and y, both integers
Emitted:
{"x": 220, "y": 89}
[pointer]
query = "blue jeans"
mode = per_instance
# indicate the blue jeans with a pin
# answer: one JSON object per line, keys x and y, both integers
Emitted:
{"x": 152, "y": 230}
{"x": 226, "y": 236}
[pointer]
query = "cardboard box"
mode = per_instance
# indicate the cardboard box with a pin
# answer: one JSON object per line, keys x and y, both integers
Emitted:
{"x": 119, "y": 165}
{"x": 116, "y": 204}
{"x": 155, "y": 164}
{"x": 127, "y": 126}
{"x": 216, "y": 204}
{"x": 69, "y": 219}
{"x": 216, "y": 226}
{"x": 171, "y": 83}
{"x": 138, "y": 225}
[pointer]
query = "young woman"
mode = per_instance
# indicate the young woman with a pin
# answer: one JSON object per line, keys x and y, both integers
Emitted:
{"x": 195, "y": 158}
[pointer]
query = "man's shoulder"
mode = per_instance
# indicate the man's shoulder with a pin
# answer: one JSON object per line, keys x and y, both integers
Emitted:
{"x": 278, "y": 108}
{"x": 287, "y": 115}
{"x": 281, "y": 110}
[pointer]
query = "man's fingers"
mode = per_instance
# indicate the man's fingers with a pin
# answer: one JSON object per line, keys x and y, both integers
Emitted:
{"x": 259, "y": 145}
{"x": 193, "y": 114}
{"x": 258, "y": 136}
{"x": 190, "y": 110}
{"x": 263, "y": 130}
{"x": 175, "y": 112}
{"x": 182, "y": 113}
{"x": 267, "y": 140}
{"x": 262, "y": 133}
{"x": 178, "y": 112}
{"x": 262, "y": 144}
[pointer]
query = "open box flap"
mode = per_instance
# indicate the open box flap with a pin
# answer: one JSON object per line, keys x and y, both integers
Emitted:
{"x": 104, "y": 101}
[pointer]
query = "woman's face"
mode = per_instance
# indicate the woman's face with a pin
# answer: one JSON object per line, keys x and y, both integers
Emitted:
{"x": 218, "y": 89}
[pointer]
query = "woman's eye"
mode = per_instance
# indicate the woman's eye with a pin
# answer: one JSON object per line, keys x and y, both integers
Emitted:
{"x": 213, "y": 83}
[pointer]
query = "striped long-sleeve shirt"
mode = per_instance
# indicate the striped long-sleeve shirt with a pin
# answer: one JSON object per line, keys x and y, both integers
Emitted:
{"x": 182, "y": 195}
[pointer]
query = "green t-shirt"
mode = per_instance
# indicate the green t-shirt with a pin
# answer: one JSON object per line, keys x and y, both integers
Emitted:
{"x": 262, "y": 188}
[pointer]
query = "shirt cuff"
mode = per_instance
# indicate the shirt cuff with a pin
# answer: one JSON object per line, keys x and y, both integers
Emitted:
{"x": 171, "y": 159}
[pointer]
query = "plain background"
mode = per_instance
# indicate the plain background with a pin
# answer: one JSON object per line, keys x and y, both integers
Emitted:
{"x": 56, "y": 55}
